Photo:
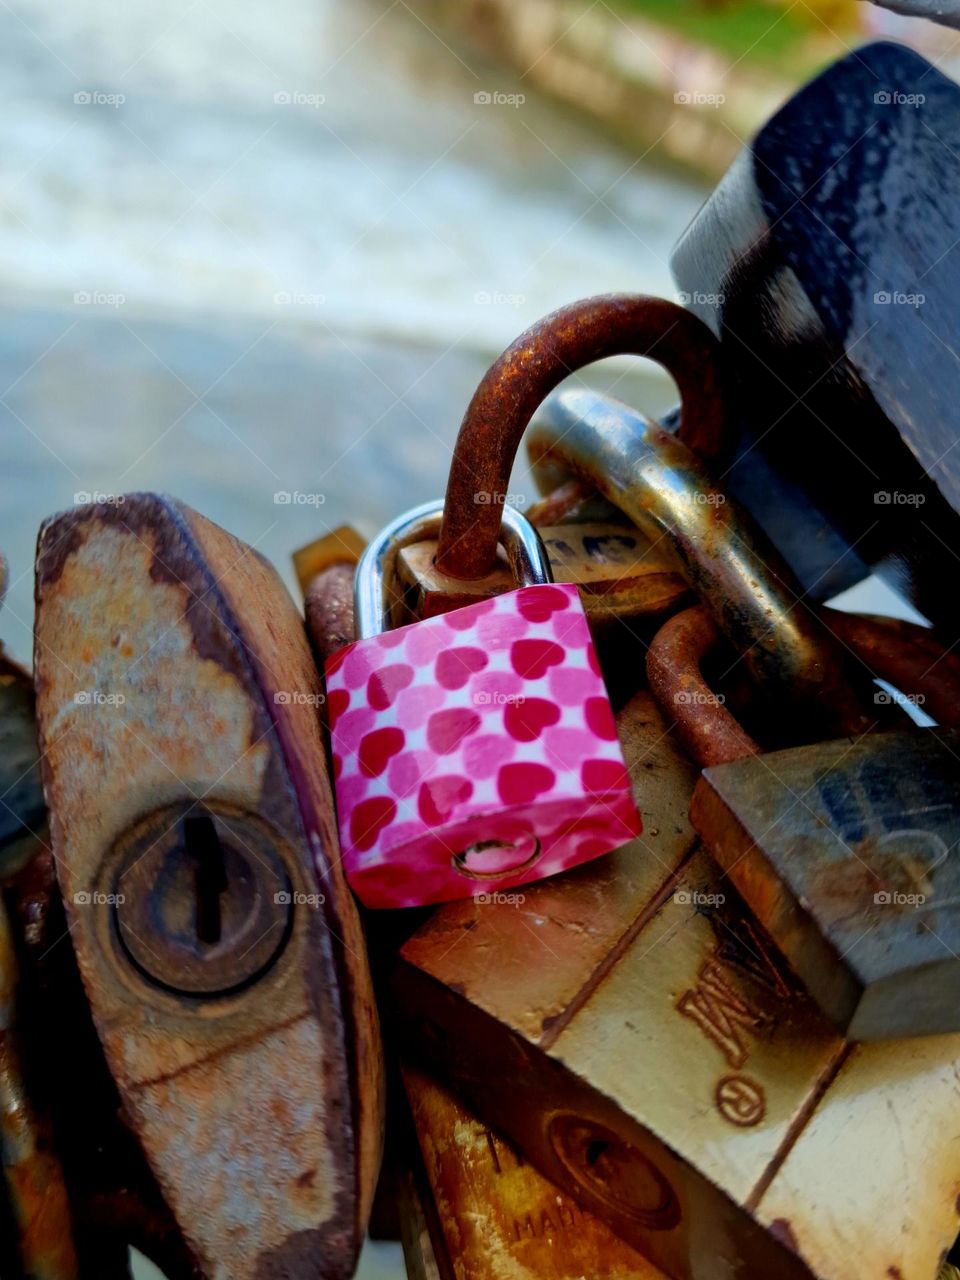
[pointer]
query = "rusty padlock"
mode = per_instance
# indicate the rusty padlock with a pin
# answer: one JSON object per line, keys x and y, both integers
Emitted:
{"x": 194, "y": 834}
{"x": 633, "y": 1030}
{"x": 846, "y": 850}
{"x": 619, "y": 573}
{"x": 474, "y": 750}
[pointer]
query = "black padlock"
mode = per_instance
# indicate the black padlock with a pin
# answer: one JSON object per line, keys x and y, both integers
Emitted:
{"x": 827, "y": 262}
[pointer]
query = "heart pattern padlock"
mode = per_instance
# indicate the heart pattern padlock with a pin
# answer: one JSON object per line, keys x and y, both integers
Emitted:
{"x": 476, "y": 750}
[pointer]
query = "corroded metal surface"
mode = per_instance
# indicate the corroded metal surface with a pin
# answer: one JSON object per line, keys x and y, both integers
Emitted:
{"x": 824, "y": 841}
{"x": 709, "y": 732}
{"x": 172, "y": 669}
{"x": 35, "y": 1187}
{"x": 548, "y": 352}
{"x": 495, "y": 1217}
{"x": 678, "y": 1082}
{"x": 342, "y": 545}
{"x": 859, "y": 884}
{"x": 619, "y": 573}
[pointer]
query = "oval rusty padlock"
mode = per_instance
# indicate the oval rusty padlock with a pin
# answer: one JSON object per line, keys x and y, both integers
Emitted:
{"x": 195, "y": 840}
{"x": 548, "y": 352}
{"x": 476, "y": 750}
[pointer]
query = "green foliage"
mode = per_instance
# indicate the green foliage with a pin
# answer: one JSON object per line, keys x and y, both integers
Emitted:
{"x": 754, "y": 29}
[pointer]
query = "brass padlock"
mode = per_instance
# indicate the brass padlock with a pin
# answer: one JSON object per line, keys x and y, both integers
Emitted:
{"x": 846, "y": 850}
{"x": 193, "y": 828}
{"x": 489, "y": 1214}
{"x": 620, "y": 572}
{"x": 634, "y": 1032}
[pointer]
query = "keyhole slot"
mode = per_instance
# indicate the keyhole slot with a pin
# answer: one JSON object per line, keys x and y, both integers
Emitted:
{"x": 203, "y": 848}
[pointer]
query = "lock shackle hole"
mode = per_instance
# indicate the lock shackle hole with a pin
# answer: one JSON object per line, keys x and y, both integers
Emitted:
{"x": 375, "y": 589}
{"x": 537, "y": 362}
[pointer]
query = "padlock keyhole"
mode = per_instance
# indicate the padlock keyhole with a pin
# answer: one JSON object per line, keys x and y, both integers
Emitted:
{"x": 203, "y": 848}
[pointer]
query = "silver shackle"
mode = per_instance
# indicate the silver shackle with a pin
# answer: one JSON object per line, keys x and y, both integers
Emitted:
{"x": 374, "y": 589}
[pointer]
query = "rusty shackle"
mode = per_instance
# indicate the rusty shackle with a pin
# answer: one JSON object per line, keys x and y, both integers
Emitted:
{"x": 514, "y": 386}
{"x": 905, "y": 655}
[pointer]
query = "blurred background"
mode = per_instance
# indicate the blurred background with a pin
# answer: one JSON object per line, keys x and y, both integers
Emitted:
{"x": 258, "y": 256}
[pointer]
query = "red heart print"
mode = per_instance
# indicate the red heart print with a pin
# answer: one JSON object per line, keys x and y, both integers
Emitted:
{"x": 377, "y": 748}
{"x": 522, "y": 783}
{"x": 454, "y": 667}
{"x": 384, "y": 685}
{"x": 439, "y": 797}
{"x": 600, "y": 776}
{"x": 531, "y": 658}
{"x": 526, "y": 718}
{"x": 335, "y": 661}
{"x": 593, "y": 660}
{"x": 538, "y": 604}
{"x": 368, "y": 820}
{"x": 600, "y": 719}
{"x": 337, "y": 703}
{"x": 447, "y": 729}
{"x": 465, "y": 618}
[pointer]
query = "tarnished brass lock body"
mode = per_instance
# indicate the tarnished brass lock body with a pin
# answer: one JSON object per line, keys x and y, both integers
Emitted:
{"x": 632, "y": 1029}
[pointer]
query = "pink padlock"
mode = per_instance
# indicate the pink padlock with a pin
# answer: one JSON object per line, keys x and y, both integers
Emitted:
{"x": 476, "y": 750}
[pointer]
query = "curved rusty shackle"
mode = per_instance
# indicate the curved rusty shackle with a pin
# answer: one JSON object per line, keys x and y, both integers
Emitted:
{"x": 751, "y": 593}
{"x": 608, "y": 325}
{"x": 905, "y": 655}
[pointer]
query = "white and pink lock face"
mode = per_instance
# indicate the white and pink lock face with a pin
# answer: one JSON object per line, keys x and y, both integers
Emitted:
{"x": 475, "y": 751}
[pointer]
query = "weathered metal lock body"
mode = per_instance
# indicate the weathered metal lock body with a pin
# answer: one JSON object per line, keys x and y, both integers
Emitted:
{"x": 194, "y": 835}
{"x": 487, "y": 1213}
{"x": 827, "y": 263}
{"x": 475, "y": 750}
{"x": 846, "y": 850}
{"x": 632, "y": 1029}
{"x": 804, "y": 892}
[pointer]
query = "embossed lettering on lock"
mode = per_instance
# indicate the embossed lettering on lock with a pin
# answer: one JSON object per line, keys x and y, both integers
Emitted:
{"x": 476, "y": 750}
